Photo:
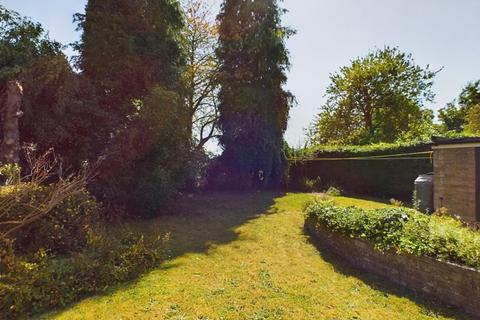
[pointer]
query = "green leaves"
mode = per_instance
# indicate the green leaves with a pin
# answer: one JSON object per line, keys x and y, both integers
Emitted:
{"x": 401, "y": 229}
{"x": 22, "y": 43}
{"x": 254, "y": 107}
{"x": 377, "y": 98}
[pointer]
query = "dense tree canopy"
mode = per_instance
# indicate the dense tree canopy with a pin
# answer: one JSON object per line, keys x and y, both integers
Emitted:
{"x": 454, "y": 116}
{"x": 377, "y": 98}
{"x": 22, "y": 44}
{"x": 129, "y": 51}
{"x": 128, "y": 46}
{"x": 254, "y": 107}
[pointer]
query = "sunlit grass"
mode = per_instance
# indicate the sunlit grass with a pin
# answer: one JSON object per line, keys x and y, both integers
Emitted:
{"x": 246, "y": 256}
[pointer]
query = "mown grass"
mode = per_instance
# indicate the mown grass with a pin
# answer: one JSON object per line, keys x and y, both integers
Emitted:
{"x": 246, "y": 256}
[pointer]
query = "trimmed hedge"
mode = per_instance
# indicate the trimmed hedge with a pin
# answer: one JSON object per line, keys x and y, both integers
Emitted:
{"x": 391, "y": 178}
{"x": 345, "y": 151}
{"x": 404, "y": 230}
{"x": 384, "y": 179}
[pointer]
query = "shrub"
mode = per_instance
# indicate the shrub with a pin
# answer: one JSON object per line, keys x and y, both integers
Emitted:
{"x": 41, "y": 282}
{"x": 334, "y": 191}
{"x": 63, "y": 229}
{"x": 404, "y": 230}
{"x": 397, "y": 203}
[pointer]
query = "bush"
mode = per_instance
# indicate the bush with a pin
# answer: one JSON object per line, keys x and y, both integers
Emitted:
{"x": 334, "y": 191}
{"x": 62, "y": 230}
{"x": 401, "y": 229}
{"x": 40, "y": 282}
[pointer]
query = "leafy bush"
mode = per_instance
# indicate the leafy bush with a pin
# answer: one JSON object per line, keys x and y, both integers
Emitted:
{"x": 41, "y": 281}
{"x": 62, "y": 230}
{"x": 401, "y": 229}
{"x": 334, "y": 191}
{"x": 396, "y": 203}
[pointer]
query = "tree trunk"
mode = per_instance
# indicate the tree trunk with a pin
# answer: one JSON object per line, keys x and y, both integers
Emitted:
{"x": 10, "y": 113}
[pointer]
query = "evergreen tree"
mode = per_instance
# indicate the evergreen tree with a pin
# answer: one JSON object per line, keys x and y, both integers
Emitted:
{"x": 254, "y": 107}
{"x": 129, "y": 51}
{"x": 127, "y": 47}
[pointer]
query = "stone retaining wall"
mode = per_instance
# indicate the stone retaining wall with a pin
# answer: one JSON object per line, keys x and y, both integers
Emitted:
{"x": 449, "y": 283}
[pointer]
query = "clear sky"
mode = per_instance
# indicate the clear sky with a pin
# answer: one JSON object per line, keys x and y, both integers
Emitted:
{"x": 439, "y": 33}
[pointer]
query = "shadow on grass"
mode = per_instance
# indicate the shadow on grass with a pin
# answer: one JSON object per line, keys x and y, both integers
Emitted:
{"x": 197, "y": 224}
{"x": 430, "y": 307}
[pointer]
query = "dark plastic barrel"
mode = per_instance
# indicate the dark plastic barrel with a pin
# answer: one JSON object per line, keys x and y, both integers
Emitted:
{"x": 424, "y": 193}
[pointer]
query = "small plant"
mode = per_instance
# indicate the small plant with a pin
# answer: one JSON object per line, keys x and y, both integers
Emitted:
{"x": 442, "y": 212}
{"x": 309, "y": 184}
{"x": 397, "y": 203}
{"x": 334, "y": 191}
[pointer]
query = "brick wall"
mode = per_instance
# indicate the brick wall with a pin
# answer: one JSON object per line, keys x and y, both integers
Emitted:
{"x": 448, "y": 283}
{"x": 455, "y": 182}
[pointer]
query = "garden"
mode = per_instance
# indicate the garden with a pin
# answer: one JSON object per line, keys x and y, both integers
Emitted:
{"x": 146, "y": 173}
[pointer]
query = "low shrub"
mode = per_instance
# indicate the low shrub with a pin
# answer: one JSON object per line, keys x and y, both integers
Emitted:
{"x": 63, "y": 229}
{"x": 307, "y": 184}
{"x": 401, "y": 229}
{"x": 334, "y": 191}
{"x": 397, "y": 203}
{"x": 40, "y": 282}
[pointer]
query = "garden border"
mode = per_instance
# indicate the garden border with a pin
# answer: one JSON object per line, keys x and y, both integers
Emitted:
{"x": 449, "y": 283}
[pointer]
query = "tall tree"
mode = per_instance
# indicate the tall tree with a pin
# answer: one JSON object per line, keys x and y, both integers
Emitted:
{"x": 377, "y": 98}
{"x": 200, "y": 75}
{"x": 254, "y": 107}
{"x": 129, "y": 51}
{"x": 453, "y": 116}
{"x": 23, "y": 44}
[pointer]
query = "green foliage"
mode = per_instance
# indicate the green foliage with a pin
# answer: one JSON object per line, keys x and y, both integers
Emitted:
{"x": 57, "y": 97}
{"x": 453, "y": 116}
{"x": 309, "y": 185}
{"x": 12, "y": 173}
{"x": 384, "y": 179}
{"x": 129, "y": 46}
{"x": 62, "y": 230}
{"x": 22, "y": 44}
{"x": 40, "y": 282}
{"x": 151, "y": 160}
{"x": 403, "y": 230}
{"x": 254, "y": 107}
{"x": 472, "y": 119}
{"x": 129, "y": 51}
{"x": 348, "y": 151}
{"x": 334, "y": 191}
{"x": 378, "y": 98}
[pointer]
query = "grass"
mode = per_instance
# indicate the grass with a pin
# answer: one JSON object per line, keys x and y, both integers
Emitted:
{"x": 245, "y": 256}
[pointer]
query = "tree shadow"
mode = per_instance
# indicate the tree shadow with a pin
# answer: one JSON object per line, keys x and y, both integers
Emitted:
{"x": 430, "y": 307}
{"x": 195, "y": 224}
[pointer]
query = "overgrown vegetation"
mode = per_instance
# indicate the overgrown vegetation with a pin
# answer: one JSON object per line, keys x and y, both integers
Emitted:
{"x": 43, "y": 280}
{"x": 401, "y": 229}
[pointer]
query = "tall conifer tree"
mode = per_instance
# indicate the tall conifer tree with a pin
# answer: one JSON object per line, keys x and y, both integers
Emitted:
{"x": 130, "y": 52}
{"x": 254, "y": 107}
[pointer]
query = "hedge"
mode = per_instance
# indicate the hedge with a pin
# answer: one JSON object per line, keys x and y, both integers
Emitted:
{"x": 386, "y": 178}
{"x": 401, "y": 229}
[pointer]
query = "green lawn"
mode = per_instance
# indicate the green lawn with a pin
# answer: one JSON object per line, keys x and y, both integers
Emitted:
{"x": 245, "y": 256}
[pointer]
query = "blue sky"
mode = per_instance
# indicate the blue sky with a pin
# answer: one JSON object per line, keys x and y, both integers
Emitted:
{"x": 439, "y": 33}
